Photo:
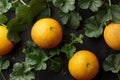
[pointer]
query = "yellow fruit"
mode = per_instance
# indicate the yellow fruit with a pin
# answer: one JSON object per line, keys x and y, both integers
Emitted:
{"x": 46, "y": 33}
{"x": 83, "y": 65}
{"x": 112, "y": 36}
{"x": 5, "y": 44}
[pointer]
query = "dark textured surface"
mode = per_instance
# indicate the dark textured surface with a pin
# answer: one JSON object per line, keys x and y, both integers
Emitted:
{"x": 98, "y": 46}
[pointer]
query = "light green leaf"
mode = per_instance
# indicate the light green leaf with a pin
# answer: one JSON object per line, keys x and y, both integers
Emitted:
{"x": 76, "y": 39}
{"x": 35, "y": 57}
{"x": 65, "y": 5}
{"x": 41, "y": 66}
{"x": 21, "y": 72}
{"x": 68, "y": 50}
{"x": 4, "y": 6}
{"x": 90, "y": 4}
{"x": 4, "y": 64}
{"x": 71, "y": 19}
{"x": 30, "y": 44}
{"x": 112, "y": 63}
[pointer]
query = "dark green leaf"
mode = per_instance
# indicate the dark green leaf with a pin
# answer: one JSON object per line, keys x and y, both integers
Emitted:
{"x": 64, "y": 17}
{"x": 24, "y": 16}
{"x": 4, "y": 6}
{"x": 71, "y": 19}
{"x": 14, "y": 28}
{"x": 21, "y": 71}
{"x": 65, "y": 5}
{"x": 4, "y": 64}
{"x": 94, "y": 25}
{"x": 56, "y": 64}
{"x": 14, "y": 3}
{"x": 68, "y": 50}
{"x": 45, "y": 13}
{"x": 54, "y": 52}
{"x": 35, "y": 57}
{"x": 104, "y": 14}
{"x": 90, "y": 4}
{"x": 109, "y": 13}
{"x": 93, "y": 28}
{"x": 13, "y": 36}
{"x": 3, "y": 19}
{"x": 18, "y": 24}
{"x": 37, "y": 6}
{"x": 115, "y": 10}
{"x": 112, "y": 63}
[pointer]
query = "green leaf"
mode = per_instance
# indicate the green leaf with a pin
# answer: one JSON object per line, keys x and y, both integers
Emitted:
{"x": 3, "y": 19}
{"x": 65, "y": 5}
{"x": 24, "y": 16}
{"x": 68, "y": 50}
{"x": 35, "y": 57}
{"x": 30, "y": 44}
{"x": 14, "y": 3}
{"x": 45, "y": 13}
{"x": 64, "y": 17}
{"x": 4, "y": 6}
{"x": 112, "y": 63}
{"x": 93, "y": 28}
{"x": 115, "y": 10}
{"x": 56, "y": 64}
{"x": 21, "y": 71}
{"x": 93, "y": 5}
{"x": 4, "y": 64}
{"x": 109, "y": 13}
{"x": 14, "y": 28}
{"x": 76, "y": 39}
{"x": 18, "y": 24}
{"x": 54, "y": 52}
{"x": 95, "y": 24}
{"x": 71, "y": 19}
{"x": 104, "y": 15}
{"x": 37, "y": 7}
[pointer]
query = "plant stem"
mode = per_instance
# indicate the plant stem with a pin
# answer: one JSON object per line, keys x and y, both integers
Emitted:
{"x": 2, "y": 75}
{"x": 23, "y": 2}
{"x": 109, "y": 2}
{"x": 118, "y": 75}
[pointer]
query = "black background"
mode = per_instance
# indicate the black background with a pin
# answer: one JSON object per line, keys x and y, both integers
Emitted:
{"x": 96, "y": 45}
